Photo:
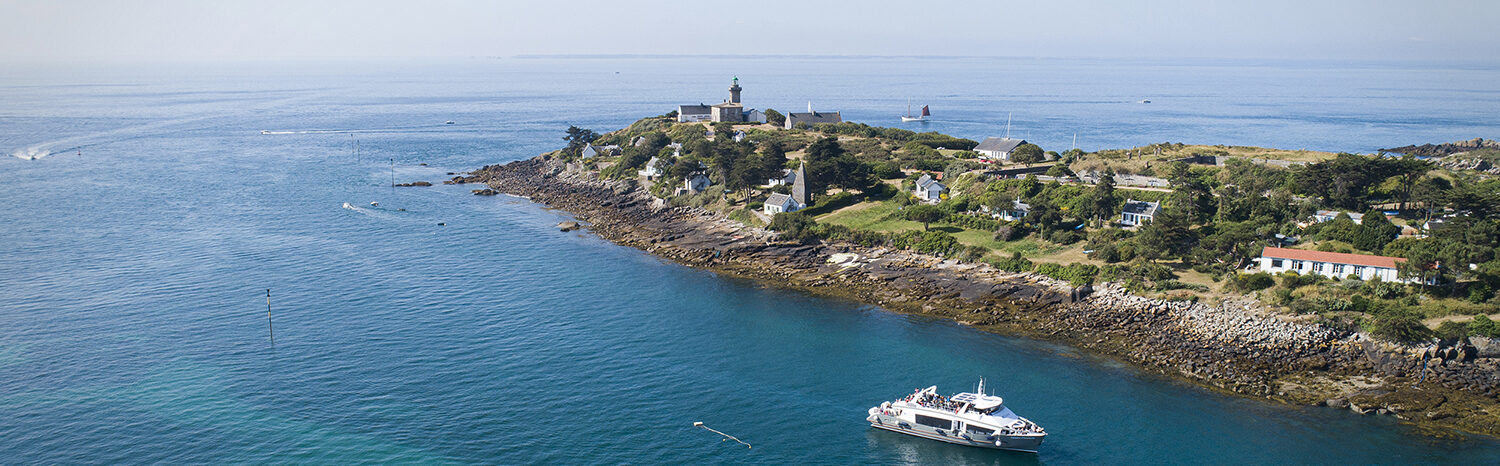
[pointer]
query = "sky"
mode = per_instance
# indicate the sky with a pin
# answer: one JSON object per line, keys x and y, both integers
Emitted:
{"x": 236, "y": 30}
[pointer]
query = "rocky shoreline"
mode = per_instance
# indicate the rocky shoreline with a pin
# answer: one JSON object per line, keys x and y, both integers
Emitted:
{"x": 1235, "y": 347}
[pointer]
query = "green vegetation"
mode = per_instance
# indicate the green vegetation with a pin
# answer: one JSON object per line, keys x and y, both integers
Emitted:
{"x": 1212, "y": 222}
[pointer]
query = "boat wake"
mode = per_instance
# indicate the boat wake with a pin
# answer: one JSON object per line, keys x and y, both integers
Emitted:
{"x": 79, "y": 142}
{"x": 31, "y": 153}
{"x": 401, "y": 129}
{"x": 376, "y": 211}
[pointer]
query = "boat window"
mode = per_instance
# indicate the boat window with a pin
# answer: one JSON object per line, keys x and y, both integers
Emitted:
{"x": 930, "y": 421}
{"x": 979, "y": 430}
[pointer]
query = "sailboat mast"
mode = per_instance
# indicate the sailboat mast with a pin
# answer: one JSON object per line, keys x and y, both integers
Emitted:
{"x": 1007, "y": 125}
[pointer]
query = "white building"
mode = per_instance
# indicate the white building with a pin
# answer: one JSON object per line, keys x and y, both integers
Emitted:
{"x": 930, "y": 190}
{"x": 1017, "y": 211}
{"x": 778, "y": 203}
{"x": 811, "y": 118}
{"x": 689, "y": 113}
{"x": 1329, "y": 264}
{"x": 591, "y": 150}
{"x": 651, "y": 171}
{"x": 1328, "y": 216}
{"x": 755, "y": 116}
{"x": 998, "y": 148}
{"x": 696, "y": 183}
{"x": 788, "y": 176}
{"x": 729, "y": 110}
{"x": 1138, "y": 213}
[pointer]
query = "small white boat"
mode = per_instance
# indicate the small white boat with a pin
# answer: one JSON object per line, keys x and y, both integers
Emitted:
{"x": 374, "y": 204}
{"x": 973, "y": 419}
{"x": 449, "y": 122}
{"x": 1145, "y": 101}
{"x": 908, "y": 117}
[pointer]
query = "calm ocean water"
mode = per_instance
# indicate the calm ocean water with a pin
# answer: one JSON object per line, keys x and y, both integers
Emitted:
{"x": 138, "y": 247}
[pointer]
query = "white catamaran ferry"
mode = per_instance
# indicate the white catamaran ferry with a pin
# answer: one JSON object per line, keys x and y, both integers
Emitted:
{"x": 974, "y": 419}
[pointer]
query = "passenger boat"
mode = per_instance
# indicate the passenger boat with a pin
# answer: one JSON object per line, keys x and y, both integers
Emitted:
{"x": 974, "y": 419}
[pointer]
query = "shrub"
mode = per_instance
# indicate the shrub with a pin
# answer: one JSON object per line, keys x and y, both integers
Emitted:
{"x": 1015, "y": 263}
{"x": 973, "y": 253}
{"x": 1107, "y": 253}
{"x": 1384, "y": 290}
{"x": 936, "y": 242}
{"x": 1253, "y": 281}
{"x": 1399, "y": 324}
{"x": 1169, "y": 285}
{"x": 1483, "y": 326}
{"x": 1076, "y": 274}
{"x": 795, "y": 226}
{"x": 1065, "y": 236}
{"x": 1451, "y": 330}
{"x": 1059, "y": 171}
{"x": 1479, "y": 292}
{"x": 1010, "y": 232}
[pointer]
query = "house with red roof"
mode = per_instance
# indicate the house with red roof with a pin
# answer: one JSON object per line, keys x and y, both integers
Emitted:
{"x": 1330, "y": 264}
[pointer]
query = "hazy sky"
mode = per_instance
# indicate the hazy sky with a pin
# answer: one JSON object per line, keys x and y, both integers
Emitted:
{"x": 209, "y": 30}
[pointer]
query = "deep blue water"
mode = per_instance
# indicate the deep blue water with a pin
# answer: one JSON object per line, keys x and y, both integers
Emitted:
{"x": 137, "y": 250}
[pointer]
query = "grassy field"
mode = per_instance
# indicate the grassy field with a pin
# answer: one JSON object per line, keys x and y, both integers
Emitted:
{"x": 875, "y": 216}
{"x": 869, "y": 216}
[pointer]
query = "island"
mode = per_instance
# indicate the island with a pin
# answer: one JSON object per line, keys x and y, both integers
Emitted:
{"x": 1353, "y": 281}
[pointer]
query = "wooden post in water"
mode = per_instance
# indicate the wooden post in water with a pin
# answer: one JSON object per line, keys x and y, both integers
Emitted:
{"x": 270, "y": 327}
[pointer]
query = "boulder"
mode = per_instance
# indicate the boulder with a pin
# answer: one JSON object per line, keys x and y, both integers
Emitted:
{"x": 1486, "y": 347}
{"x": 567, "y": 226}
{"x": 1336, "y": 403}
{"x": 413, "y": 184}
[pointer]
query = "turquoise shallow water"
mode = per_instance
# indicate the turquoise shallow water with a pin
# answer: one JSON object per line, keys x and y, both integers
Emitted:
{"x": 136, "y": 257}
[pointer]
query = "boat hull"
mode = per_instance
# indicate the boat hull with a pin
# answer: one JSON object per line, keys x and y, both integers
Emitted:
{"x": 911, "y": 119}
{"x": 1024, "y": 443}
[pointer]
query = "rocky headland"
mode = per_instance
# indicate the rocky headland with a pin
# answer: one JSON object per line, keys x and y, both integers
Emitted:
{"x": 1236, "y": 346}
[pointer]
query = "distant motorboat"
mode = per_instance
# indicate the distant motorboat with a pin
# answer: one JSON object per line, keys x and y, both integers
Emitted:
{"x": 449, "y": 122}
{"x": 1145, "y": 101}
{"x": 908, "y": 117}
{"x": 374, "y": 204}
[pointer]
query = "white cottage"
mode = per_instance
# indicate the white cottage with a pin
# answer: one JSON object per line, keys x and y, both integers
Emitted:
{"x": 929, "y": 189}
{"x": 651, "y": 171}
{"x": 997, "y": 148}
{"x": 1328, "y": 216}
{"x": 696, "y": 183}
{"x": 690, "y": 113}
{"x": 591, "y": 150}
{"x": 1138, "y": 213}
{"x": 1329, "y": 264}
{"x": 1017, "y": 211}
{"x": 777, "y": 203}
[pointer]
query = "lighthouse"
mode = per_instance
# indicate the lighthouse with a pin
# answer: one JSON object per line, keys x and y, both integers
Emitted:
{"x": 734, "y": 91}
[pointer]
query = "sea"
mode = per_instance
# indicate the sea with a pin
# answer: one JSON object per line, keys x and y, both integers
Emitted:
{"x": 147, "y": 211}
